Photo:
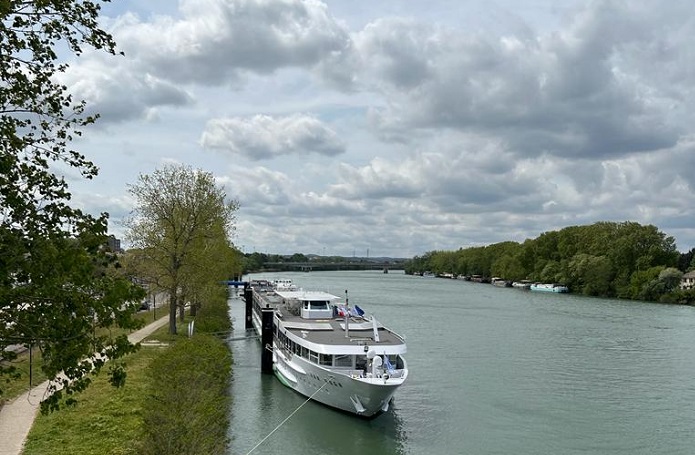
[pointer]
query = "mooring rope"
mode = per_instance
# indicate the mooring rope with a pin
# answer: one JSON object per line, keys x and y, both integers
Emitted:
{"x": 287, "y": 418}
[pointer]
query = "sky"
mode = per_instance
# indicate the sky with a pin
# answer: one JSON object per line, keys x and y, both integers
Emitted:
{"x": 394, "y": 128}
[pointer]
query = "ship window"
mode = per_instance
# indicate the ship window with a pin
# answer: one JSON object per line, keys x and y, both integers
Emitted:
{"x": 313, "y": 356}
{"x": 305, "y": 352}
{"x": 326, "y": 359}
{"x": 343, "y": 361}
{"x": 319, "y": 305}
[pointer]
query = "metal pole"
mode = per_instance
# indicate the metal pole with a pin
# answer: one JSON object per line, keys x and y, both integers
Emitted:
{"x": 30, "y": 363}
{"x": 347, "y": 316}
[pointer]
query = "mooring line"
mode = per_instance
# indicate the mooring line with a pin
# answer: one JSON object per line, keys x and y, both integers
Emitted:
{"x": 287, "y": 418}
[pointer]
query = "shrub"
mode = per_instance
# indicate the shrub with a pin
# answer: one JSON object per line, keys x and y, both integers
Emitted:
{"x": 213, "y": 314}
{"x": 188, "y": 412}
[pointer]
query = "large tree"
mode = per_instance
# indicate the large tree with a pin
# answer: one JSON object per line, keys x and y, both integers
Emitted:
{"x": 56, "y": 277}
{"x": 181, "y": 224}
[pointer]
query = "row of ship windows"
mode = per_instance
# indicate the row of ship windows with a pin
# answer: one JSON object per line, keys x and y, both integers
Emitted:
{"x": 321, "y": 359}
{"x": 338, "y": 360}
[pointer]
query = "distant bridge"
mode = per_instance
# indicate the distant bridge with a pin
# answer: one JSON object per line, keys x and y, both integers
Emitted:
{"x": 326, "y": 266}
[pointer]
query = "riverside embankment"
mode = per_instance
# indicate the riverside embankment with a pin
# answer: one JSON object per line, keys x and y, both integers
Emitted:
{"x": 17, "y": 416}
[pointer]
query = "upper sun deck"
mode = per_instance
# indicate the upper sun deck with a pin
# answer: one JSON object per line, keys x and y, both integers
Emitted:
{"x": 323, "y": 331}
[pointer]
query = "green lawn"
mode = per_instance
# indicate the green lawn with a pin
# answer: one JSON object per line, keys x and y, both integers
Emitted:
{"x": 106, "y": 420}
{"x": 12, "y": 388}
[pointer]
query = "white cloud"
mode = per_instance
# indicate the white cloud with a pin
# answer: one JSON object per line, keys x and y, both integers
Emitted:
{"x": 215, "y": 40}
{"x": 568, "y": 94}
{"x": 264, "y": 137}
{"x": 113, "y": 89}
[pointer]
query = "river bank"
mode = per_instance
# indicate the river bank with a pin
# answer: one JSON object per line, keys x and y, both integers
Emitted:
{"x": 18, "y": 415}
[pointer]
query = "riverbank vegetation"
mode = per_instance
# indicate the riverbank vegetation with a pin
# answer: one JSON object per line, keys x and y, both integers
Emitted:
{"x": 607, "y": 259}
{"x": 28, "y": 371}
{"x": 180, "y": 230}
{"x": 64, "y": 290}
{"x": 185, "y": 379}
{"x": 58, "y": 284}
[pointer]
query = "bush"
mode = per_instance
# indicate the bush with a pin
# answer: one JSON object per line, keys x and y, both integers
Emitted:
{"x": 680, "y": 296}
{"x": 188, "y": 411}
{"x": 213, "y": 314}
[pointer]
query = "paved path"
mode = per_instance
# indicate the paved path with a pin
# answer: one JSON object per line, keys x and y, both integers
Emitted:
{"x": 17, "y": 416}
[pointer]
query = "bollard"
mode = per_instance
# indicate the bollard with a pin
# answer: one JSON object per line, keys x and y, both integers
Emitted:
{"x": 248, "y": 297}
{"x": 267, "y": 340}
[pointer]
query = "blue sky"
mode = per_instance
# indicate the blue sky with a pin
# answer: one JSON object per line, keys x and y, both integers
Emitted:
{"x": 400, "y": 127}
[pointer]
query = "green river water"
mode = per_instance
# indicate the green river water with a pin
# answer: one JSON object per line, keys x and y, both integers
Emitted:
{"x": 492, "y": 371}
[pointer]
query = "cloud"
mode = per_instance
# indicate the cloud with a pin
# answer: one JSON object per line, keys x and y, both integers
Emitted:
{"x": 112, "y": 89}
{"x": 575, "y": 93}
{"x": 214, "y": 40}
{"x": 210, "y": 43}
{"x": 264, "y": 137}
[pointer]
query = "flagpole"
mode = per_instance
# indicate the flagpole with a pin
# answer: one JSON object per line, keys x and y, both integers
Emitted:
{"x": 347, "y": 316}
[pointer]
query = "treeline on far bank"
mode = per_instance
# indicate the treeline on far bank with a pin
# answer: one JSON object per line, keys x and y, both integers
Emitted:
{"x": 606, "y": 259}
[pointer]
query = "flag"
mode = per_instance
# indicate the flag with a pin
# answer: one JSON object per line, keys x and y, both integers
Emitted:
{"x": 387, "y": 364}
{"x": 359, "y": 311}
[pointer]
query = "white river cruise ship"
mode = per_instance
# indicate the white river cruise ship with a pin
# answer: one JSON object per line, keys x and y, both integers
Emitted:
{"x": 331, "y": 352}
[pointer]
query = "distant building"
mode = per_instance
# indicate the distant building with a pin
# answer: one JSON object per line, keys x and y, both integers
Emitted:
{"x": 114, "y": 244}
{"x": 688, "y": 280}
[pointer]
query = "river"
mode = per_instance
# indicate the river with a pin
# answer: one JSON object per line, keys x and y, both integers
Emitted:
{"x": 492, "y": 371}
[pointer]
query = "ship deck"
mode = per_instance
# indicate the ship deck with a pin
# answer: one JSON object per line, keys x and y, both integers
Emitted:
{"x": 331, "y": 331}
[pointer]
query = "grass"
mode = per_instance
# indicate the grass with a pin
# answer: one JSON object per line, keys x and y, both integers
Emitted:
{"x": 14, "y": 387}
{"x": 106, "y": 420}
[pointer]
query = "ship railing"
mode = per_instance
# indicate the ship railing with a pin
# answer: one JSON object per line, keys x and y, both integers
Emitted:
{"x": 394, "y": 373}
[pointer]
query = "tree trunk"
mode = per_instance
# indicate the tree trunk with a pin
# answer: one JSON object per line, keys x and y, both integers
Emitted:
{"x": 172, "y": 311}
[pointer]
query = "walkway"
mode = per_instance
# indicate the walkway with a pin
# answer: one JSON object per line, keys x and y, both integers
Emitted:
{"x": 17, "y": 416}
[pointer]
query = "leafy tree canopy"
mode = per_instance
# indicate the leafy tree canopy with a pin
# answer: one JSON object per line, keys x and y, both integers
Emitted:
{"x": 605, "y": 258}
{"x": 58, "y": 282}
{"x": 181, "y": 222}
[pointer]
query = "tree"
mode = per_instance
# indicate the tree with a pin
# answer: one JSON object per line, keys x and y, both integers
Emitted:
{"x": 180, "y": 219}
{"x": 590, "y": 274}
{"x": 57, "y": 282}
{"x": 38, "y": 118}
{"x": 671, "y": 277}
{"x": 215, "y": 260}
